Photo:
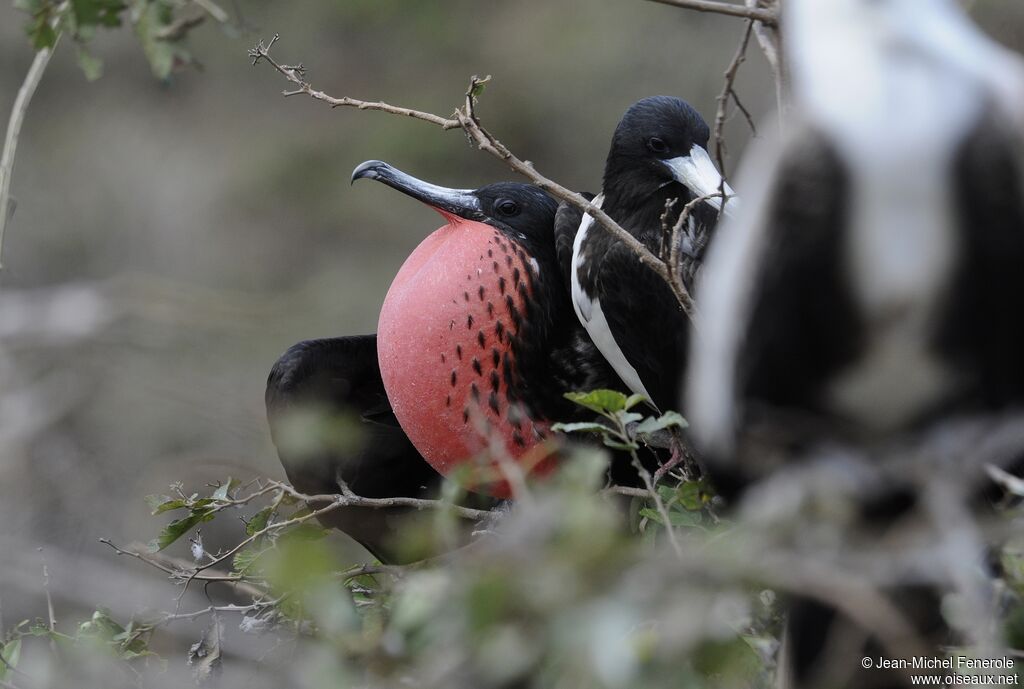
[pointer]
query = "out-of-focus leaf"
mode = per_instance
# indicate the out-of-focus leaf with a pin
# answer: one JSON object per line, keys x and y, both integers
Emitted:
{"x": 600, "y": 401}
{"x": 178, "y": 528}
{"x": 581, "y": 427}
{"x": 690, "y": 495}
{"x": 97, "y": 12}
{"x": 10, "y": 652}
{"x": 304, "y": 532}
{"x": 677, "y": 518}
{"x": 258, "y": 521}
{"x": 479, "y": 86}
{"x": 667, "y": 420}
{"x": 728, "y": 662}
{"x": 151, "y": 18}
{"x": 164, "y": 503}
{"x": 204, "y": 655}
{"x": 245, "y": 560}
{"x": 634, "y": 400}
{"x": 225, "y": 488}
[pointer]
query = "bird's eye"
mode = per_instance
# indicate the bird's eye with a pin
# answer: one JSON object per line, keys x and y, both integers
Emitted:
{"x": 657, "y": 145}
{"x": 507, "y": 207}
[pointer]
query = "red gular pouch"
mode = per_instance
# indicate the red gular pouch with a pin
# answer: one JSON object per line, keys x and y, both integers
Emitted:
{"x": 445, "y": 344}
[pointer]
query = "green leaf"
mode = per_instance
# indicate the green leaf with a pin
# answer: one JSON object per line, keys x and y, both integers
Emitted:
{"x": 10, "y": 652}
{"x": 150, "y": 18}
{"x": 582, "y": 427}
{"x": 634, "y": 400}
{"x": 600, "y": 401}
{"x": 676, "y": 518}
{"x": 178, "y": 528}
{"x": 245, "y": 560}
{"x": 91, "y": 65}
{"x": 258, "y": 521}
{"x": 691, "y": 495}
{"x": 164, "y": 503}
{"x": 479, "y": 85}
{"x": 97, "y": 12}
{"x": 304, "y": 533}
{"x": 667, "y": 420}
{"x": 42, "y": 34}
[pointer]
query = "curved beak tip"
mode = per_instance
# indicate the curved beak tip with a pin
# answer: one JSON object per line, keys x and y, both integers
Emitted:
{"x": 368, "y": 169}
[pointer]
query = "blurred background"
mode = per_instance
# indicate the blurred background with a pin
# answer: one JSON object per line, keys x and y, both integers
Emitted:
{"x": 172, "y": 239}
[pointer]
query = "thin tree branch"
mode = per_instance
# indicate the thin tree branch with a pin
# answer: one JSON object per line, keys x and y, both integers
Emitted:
{"x": 180, "y": 569}
{"x": 728, "y": 92}
{"x": 486, "y": 141}
{"x": 296, "y": 75}
{"x": 24, "y": 97}
{"x": 466, "y": 119}
{"x": 765, "y": 16}
{"x": 768, "y": 38}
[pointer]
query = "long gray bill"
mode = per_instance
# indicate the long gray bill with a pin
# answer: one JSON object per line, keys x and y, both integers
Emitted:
{"x": 460, "y": 202}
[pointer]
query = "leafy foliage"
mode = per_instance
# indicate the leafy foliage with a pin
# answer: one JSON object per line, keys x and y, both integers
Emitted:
{"x": 161, "y": 27}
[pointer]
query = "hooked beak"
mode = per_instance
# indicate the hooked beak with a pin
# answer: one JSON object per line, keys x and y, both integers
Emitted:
{"x": 458, "y": 202}
{"x": 698, "y": 173}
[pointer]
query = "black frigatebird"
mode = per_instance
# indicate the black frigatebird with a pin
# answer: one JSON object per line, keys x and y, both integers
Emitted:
{"x": 873, "y": 283}
{"x": 477, "y": 342}
{"x": 315, "y": 392}
{"x": 658, "y": 153}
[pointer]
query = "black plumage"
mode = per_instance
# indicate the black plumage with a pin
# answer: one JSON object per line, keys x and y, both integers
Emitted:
{"x": 658, "y": 154}
{"x": 551, "y": 352}
{"x": 867, "y": 298}
{"x": 330, "y": 418}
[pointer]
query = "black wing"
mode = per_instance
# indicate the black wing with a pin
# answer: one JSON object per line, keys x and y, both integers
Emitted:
{"x": 982, "y": 333}
{"x": 567, "y": 221}
{"x": 646, "y": 321}
{"x": 316, "y": 390}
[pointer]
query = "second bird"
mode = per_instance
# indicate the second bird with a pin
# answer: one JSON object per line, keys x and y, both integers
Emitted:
{"x": 658, "y": 153}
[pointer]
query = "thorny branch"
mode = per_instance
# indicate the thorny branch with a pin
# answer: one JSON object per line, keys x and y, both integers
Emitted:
{"x": 465, "y": 118}
{"x": 296, "y": 74}
{"x": 765, "y": 16}
{"x": 727, "y": 93}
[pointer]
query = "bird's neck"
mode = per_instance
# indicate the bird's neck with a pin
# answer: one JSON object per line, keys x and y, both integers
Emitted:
{"x": 639, "y": 208}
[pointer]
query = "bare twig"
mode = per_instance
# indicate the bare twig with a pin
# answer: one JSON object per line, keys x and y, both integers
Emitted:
{"x": 180, "y": 569}
{"x": 627, "y": 491}
{"x": 296, "y": 73}
{"x": 659, "y": 504}
{"x": 727, "y": 93}
{"x": 768, "y": 39}
{"x": 765, "y": 16}
{"x": 51, "y": 617}
{"x": 25, "y": 93}
{"x": 486, "y": 141}
{"x": 243, "y": 609}
{"x": 465, "y": 118}
{"x": 349, "y": 499}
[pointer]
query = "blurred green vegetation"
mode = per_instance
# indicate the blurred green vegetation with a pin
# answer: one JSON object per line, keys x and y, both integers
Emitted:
{"x": 178, "y": 234}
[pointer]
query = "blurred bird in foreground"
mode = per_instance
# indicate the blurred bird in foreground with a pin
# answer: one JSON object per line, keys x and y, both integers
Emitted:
{"x": 873, "y": 281}
{"x": 872, "y": 286}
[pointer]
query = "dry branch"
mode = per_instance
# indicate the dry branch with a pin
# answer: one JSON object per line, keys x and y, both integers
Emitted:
{"x": 765, "y": 16}
{"x": 727, "y": 93}
{"x": 465, "y": 118}
{"x": 25, "y": 93}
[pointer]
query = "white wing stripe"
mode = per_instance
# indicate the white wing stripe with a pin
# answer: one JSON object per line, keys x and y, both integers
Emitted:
{"x": 592, "y": 316}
